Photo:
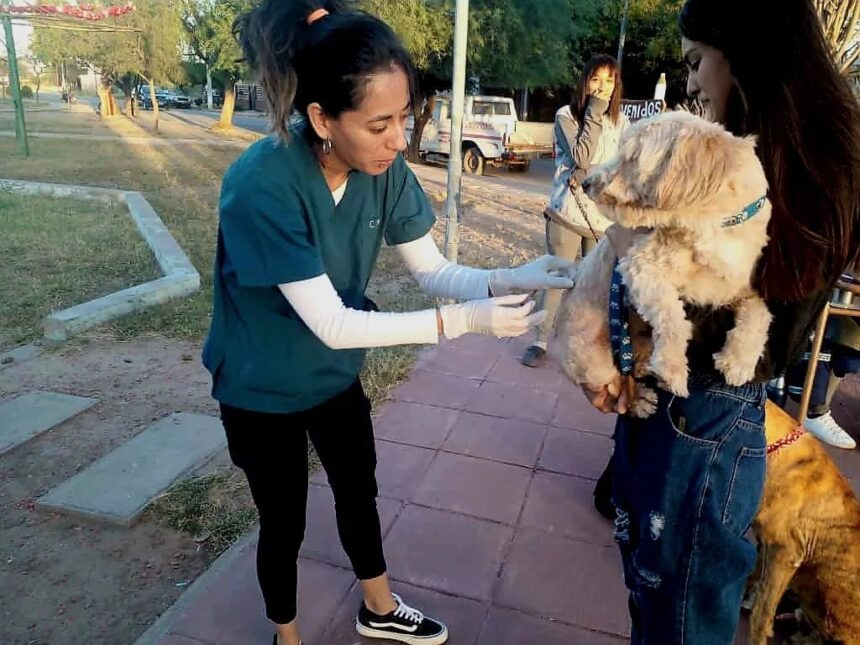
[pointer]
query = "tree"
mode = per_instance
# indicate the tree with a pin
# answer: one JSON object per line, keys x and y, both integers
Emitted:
{"x": 840, "y": 20}
{"x": 208, "y": 25}
{"x": 38, "y": 66}
{"x": 4, "y": 74}
{"x": 652, "y": 46}
{"x": 158, "y": 47}
{"x": 52, "y": 46}
{"x": 110, "y": 54}
{"x": 152, "y": 50}
{"x": 522, "y": 43}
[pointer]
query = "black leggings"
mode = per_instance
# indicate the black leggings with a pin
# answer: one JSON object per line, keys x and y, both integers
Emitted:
{"x": 272, "y": 450}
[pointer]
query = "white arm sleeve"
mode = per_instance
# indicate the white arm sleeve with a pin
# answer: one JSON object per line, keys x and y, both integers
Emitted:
{"x": 438, "y": 277}
{"x": 339, "y": 327}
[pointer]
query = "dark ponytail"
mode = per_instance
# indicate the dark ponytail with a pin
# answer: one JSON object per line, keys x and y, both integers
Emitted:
{"x": 326, "y": 62}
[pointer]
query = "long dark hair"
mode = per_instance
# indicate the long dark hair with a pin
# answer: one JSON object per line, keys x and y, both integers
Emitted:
{"x": 579, "y": 101}
{"x": 789, "y": 94}
{"x": 328, "y": 61}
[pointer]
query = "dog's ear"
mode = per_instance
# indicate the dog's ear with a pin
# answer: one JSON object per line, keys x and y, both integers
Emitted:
{"x": 698, "y": 164}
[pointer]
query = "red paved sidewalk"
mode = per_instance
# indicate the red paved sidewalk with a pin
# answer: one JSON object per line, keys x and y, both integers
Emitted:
{"x": 486, "y": 472}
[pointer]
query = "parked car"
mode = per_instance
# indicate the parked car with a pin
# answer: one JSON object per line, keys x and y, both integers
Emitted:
{"x": 179, "y": 100}
{"x": 162, "y": 97}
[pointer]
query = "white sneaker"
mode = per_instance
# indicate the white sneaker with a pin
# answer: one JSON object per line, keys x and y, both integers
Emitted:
{"x": 827, "y": 430}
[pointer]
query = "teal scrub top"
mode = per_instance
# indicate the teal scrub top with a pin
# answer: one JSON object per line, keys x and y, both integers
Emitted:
{"x": 278, "y": 223}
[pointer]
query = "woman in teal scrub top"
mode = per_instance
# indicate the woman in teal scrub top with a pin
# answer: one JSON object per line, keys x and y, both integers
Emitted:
{"x": 303, "y": 215}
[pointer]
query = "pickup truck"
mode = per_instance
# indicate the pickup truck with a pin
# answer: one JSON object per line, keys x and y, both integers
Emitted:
{"x": 492, "y": 134}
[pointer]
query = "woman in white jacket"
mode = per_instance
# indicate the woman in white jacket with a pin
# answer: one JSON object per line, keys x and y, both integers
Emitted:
{"x": 587, "y": 133}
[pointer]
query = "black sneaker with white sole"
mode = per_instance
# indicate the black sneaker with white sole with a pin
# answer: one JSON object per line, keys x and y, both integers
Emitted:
{"x": 404, "y": 625}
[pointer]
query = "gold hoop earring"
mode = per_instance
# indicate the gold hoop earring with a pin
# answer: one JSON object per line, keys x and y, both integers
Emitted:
{"x": 326, "y": 147}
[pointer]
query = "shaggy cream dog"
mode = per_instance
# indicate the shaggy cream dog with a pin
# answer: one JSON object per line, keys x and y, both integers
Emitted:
{"x": 700, "y": 192}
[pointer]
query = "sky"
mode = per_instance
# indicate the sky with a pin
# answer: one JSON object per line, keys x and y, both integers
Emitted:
{"x": 21, "y": 34}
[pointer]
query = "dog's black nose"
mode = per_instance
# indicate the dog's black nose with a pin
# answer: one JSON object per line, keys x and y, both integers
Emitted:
{"x": 586, "y": 183}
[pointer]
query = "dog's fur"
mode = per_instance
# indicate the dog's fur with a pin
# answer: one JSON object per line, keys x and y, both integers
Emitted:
{"x": 808, "y": 529}
{"x": 680, "y": 176}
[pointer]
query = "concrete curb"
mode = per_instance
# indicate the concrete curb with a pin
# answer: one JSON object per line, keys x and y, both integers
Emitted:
{"x": 180, "y": 276}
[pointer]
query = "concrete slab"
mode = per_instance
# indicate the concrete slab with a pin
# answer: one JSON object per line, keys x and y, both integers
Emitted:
{"x": 119, "y": 486}
{"x": 31, "y": 414}
{"x": 18, "y": 355}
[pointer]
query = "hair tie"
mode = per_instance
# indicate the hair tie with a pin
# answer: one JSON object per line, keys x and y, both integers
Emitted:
{"x": 316, "y": 15}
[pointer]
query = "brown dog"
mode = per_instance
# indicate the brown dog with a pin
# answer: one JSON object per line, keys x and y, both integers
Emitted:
{"x": 808, "y": 529}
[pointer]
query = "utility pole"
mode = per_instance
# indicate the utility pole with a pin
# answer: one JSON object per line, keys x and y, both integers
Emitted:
{"x": 623, "y": 34}
{"x": 15, "y": 84}
{"x": 208, "y": 87}
{"x": 455, "y": 158}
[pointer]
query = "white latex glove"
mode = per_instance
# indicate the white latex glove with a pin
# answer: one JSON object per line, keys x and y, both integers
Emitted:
{"x": 547, "y": 272}
{"x": 502, "y": 317}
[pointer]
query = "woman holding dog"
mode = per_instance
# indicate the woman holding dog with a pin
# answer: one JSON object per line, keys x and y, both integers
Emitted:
{"x": 303, "y": 215}
{"x": 587, "y": 133}
{"x": 687, "y": 481}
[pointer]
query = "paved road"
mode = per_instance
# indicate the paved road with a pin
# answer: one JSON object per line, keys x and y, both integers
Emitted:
{"x": 536, "y": 180}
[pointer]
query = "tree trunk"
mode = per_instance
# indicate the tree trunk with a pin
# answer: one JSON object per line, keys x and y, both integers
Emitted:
{"x": 226, "y": 120}
{"x": 107, "y": 103}
{"x": 420, "y": 119}
{"x": 154, "y": 103}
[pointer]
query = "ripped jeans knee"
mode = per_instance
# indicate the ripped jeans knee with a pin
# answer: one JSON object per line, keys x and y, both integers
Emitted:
{"x": 639, "y": 575}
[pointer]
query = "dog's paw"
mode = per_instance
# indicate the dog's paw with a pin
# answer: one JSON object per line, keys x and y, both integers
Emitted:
{"x": 736, "y": 371}
{"x": 672, "y": 374}
{"x": 645, "y": 403}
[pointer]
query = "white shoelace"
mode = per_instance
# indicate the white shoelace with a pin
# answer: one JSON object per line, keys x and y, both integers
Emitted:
{"x": 405, "y": 611}
{"x": 828, "y": 430}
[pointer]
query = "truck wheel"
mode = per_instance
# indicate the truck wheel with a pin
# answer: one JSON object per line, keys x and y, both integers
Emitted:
{"x": 473, "y": 161}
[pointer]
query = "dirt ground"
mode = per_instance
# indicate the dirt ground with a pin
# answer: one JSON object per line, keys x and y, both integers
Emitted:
{"x": 65, "y": 580}
{"x": 74, "y": 581}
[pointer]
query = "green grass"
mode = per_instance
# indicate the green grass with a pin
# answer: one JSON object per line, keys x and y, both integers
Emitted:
{"x": 61, "y": 252}
{"x": 214, "y": 509}
{"x": 182, "y": 184}
{"x": 43, "y": 122}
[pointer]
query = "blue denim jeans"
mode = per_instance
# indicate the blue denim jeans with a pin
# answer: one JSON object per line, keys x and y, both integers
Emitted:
{"x": 687, "y": 483}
